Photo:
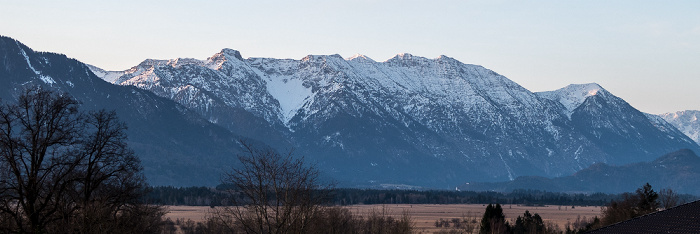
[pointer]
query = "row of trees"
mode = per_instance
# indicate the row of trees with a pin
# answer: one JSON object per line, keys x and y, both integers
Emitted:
{"x": 527, "y": 197}
{"x": 203, "y": 196}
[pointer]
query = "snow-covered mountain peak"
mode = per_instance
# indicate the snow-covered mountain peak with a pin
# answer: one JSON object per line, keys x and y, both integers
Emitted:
{"x": 151, "y": 63}
{"x": 404, "y": 56}
{"x": 231, "y": 53}
{"x": 227, "y": 56}
{"x": 408, "y": 60}
{"x": 590, "y": 88}
{"x": 184, "y": 61}
{"x": 445, "y": 57}
{"x": 688, "y": 115}
{"x": 313, "y": 58}
{"x": 686, "y": 121}
{"x": 573, "y": 95}
{"x": 360, "y": 57}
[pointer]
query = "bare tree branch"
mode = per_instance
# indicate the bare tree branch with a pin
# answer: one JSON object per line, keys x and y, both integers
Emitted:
{"x": 64, "y": 170}
{"x": 273, "y": 193}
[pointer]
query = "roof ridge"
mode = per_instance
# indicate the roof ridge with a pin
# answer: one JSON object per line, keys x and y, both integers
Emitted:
{"x": 646, "y": 215}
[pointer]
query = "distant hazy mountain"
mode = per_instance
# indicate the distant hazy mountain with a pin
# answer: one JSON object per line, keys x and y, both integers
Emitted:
{"x": 176, "y": 145}
{"x": 412, "y": 120}
{"x": 686, "y": 121}
{"x": 678, "y": 171}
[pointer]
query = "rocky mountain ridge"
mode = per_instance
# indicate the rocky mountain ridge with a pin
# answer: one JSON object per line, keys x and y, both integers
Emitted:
{"x": 368, "y": 122}
{"x": 685, "y": 121}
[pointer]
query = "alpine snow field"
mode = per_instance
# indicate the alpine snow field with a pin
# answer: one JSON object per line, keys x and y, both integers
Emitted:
{"x": 409, "y": 120}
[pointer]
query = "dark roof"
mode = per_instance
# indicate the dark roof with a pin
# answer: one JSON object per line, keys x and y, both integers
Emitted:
{"x": 680, "y": 219}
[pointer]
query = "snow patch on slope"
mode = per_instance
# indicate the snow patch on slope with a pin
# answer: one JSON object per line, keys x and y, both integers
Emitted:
{"x": 109, "y": 76}
{"x": 290, "y": 93}
{"x": 26, "y": 58}
{"x": 46, "y": 79}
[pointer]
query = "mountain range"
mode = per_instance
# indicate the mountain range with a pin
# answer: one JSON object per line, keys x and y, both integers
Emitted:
{"x": 408, "y": 120}
{"x": 677, "y": 170}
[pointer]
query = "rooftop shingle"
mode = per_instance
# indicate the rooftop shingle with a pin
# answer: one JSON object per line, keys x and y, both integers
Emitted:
{"x": 680, "y": 219}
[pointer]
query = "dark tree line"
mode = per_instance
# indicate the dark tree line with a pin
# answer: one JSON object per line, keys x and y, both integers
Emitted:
{"x": 185, "y": 196}
{"x": 66, "y": 171}
{"x": 203, "y": 196}
{"x": 524, "y": 197}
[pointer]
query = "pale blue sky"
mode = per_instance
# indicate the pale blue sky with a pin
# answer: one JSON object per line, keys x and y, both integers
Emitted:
{"x": 647, "y": 52}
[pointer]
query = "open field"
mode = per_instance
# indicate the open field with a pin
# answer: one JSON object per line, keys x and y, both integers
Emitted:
{"x": 424, "y": 215}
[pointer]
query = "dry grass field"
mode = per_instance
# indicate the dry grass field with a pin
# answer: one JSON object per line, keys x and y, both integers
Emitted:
{"x": 425, "y": 215}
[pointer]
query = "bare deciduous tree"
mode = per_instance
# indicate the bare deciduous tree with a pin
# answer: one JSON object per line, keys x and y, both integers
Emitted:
{"x": 669, "y": 198}
{"x": 63, "y": 170}
{"x": 38, "y": 138}
{"x": 643, "y": 201}
{"x": 273, "y": 193}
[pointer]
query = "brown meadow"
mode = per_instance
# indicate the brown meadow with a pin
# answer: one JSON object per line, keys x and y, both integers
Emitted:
{"x": 425, "y": 215}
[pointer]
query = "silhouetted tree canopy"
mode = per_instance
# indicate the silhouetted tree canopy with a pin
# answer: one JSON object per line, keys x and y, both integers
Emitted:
{"x": 643, "y": 201}
{"x": 67, "y": 171}
{"x": 494, "y": 221}
{"x": 272, "y": 193}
